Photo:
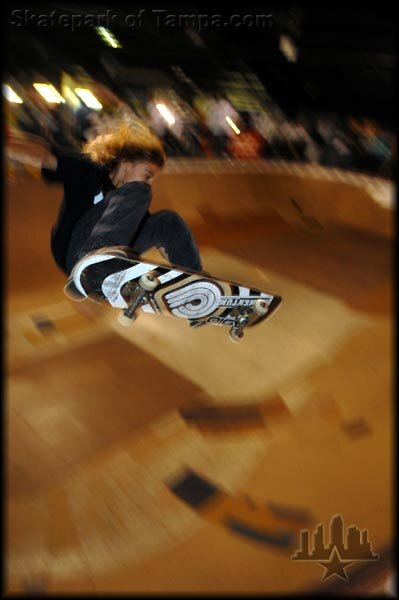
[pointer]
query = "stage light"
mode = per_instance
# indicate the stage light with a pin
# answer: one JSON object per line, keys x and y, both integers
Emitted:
{"x": 88, "y": 98}
{"x": 108, "y": 37}
{"x": 165, "y": 112}
{"x": 233, "y": 125}
{"x": 49, "y": 93}
{"x": 11, "y": 96}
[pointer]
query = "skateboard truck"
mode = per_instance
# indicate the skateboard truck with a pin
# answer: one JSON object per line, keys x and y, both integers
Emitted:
{"x": 237, "y": 330}
{"x": 138, "y": 292}
{"x": 260, "y": 308}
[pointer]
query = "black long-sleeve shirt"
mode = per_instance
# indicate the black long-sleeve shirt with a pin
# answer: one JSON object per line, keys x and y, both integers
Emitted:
{"x": 85, "y": 185}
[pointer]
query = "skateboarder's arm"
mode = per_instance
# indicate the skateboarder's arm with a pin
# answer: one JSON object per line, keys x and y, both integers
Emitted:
{"x": 68, "y": 167}
{"x": 61, "y": 165}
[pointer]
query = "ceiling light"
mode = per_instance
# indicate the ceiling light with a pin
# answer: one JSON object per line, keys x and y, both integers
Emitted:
{"x": 88, "y": 98}
{"x": 11, "y": 96}
{"x": 49, "y": 93}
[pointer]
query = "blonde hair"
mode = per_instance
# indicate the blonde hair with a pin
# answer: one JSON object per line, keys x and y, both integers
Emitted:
{"x": 131, "y": 140}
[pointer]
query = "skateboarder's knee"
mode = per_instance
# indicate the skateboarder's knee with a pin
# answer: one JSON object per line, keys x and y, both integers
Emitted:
{"x": 138, "y": 193}
{"x": 171, "y": 218}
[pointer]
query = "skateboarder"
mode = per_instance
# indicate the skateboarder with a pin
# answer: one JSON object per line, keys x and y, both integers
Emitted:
{"x": 107, "y": 194}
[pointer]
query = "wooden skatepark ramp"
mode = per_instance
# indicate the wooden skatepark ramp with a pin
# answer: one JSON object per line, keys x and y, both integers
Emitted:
{"x": 159, "y": 459}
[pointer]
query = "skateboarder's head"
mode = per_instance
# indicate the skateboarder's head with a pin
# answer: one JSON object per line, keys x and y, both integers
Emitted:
{"x": 128, "y": 153}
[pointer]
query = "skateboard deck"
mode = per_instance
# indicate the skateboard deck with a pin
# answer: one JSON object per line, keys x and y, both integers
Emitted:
{"x": 119, "y": 277}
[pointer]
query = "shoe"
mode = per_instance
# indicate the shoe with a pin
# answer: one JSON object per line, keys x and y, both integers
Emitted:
{"x": 90, "y": 282}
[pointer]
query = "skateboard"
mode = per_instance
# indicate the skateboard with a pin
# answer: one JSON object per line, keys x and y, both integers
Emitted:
{"x": 120, "y": 278}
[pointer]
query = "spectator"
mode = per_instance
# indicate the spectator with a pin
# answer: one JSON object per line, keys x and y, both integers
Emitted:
{"x": 281, "y": 142}
{"x": 217, "y": 109}
{"x": 248, "y": 143}
{"x": 85, "y": 119}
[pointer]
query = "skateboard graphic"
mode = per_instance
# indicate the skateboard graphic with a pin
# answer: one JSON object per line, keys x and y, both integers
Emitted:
{"x": 119, "y": 277}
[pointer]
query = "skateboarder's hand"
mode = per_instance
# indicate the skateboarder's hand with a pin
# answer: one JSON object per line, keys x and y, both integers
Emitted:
{"x": 162, "y": 252}
{"x": 29, "y": 149}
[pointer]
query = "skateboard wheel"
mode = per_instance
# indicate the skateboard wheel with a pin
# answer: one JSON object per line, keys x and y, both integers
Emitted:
{"x": 236, "y": 336}
{"x": 149, "y": 282}
{"x": 124, "y": 320}
{"x": 260, "y": 307}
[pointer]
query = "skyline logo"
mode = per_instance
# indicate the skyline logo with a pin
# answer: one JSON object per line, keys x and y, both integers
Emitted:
{"x": 339, "y": 553}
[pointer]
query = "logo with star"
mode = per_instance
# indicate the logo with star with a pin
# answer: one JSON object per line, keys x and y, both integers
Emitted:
{"x": 335, "y": 566}
{"x": 342, "y": 551}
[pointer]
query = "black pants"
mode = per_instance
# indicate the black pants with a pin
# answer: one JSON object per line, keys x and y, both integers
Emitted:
{"x": 220, "y": 144}
{"x": 127, "y": 222}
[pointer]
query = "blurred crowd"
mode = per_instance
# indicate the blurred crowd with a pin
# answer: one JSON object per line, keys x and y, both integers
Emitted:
{"x": 211, "y": 126}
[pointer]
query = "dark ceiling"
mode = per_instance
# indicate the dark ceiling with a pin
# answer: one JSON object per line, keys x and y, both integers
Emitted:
{"x": 346, "y": 55}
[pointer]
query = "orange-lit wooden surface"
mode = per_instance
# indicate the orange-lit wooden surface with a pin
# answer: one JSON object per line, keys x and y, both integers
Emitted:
{"x": 100, "y": 419}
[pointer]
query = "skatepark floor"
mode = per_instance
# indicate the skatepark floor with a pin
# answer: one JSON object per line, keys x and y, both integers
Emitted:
{"x": 162, "y": 459}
